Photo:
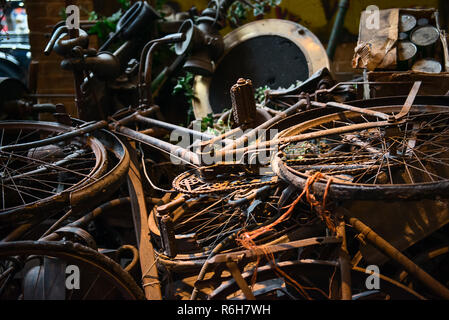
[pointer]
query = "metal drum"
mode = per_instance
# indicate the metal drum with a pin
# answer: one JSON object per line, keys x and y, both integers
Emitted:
{"x": 427, "y": 65}
{"x": 270, "y": 52}
{"x": 406, "y": 51}
{"x": 406, "y": 22}
{"x": 406, "y": 54}
{"x": 425, "y": 36}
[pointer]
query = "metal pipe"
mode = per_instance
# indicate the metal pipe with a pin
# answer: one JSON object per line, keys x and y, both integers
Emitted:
{"x": 302, "y": 137}
{"x": 178, "y": 152}
{"x": 145, "y": 66}
{"x": 345, "y": 264}
{"x": 150, "y": 278}
{"x": 232, "y": 147}
{"x": 343, "y": 6}
{"x": 169, "y": 126}
{"x": 343, "y": 106}
{"x": 390, "y": 251}
{"x": 94, "y": 214}
{"x": 68, "y": 135}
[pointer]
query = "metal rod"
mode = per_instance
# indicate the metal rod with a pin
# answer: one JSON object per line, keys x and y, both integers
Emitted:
{"x": 169, "y": 126}
{"x": 148, "y": 265}
{"x": 343, "y": 106}
{"x": 235, "y": 272}
{"x": 246, "y": 137}
{"x": 176, "y": 151}
{"x": 397, "y": 256}
{"x": 68, "y": 135}
{"x": 345, "y": 264}
{"x": 343, "y": 6}
{"x": 305, "y": 136}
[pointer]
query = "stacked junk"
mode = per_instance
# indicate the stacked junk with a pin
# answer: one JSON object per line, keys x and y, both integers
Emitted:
{"x": 308, "y": 189}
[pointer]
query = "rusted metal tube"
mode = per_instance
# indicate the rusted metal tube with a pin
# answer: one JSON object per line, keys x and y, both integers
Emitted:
{"x": 131, "y": 118}
{"x": 345, "y": 264}
{"x": 139, "y": 211}
{"x": 343, "y": 106}
{"x": 130, "y": 267}
{"x": 302, "y": 137}
{"x": 179, "y": 152}
{"x": 86, "y": 219}
{"x": 246, "y": 137}
{"x": 17, "y": 232}
{"x": 167, "y": 208}
{"x": 169, "y": 126}
{"x": 68, "y": 135}
{"x": 154, "y": 132}
{"x": 390, "y": 251}
{"x": 221, "y": 138}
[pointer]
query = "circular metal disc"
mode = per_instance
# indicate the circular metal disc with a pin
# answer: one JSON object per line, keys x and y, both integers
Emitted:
{"x": 270, "y": 52}
{"x": 427, "y": 65}
{"x": 406, "y": 50}
{"x": 406, "y": 22}
{"x": 425, "y": 36}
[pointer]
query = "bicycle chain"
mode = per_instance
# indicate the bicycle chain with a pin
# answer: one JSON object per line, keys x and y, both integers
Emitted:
{"x": 190, "y": 182}
{"x": 332, "y": 158}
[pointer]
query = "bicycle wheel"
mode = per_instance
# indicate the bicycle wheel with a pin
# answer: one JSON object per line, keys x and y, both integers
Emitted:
{"x": 39, "y": 270}
{"x": 402, "y": 160}
{"x": 40, "y": 180}
{"x": 203, "y": 222}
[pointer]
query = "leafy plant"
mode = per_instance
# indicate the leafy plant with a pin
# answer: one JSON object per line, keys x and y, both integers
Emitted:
{"x": 239, "y": 10}
{"x": 259, "y": 7}
{"x": 63, "y": 14}
{"x": 158, "y": 4}
{"x": 207, "y": 122}
{"x": 259, "y": 93}
{"x": 184, "y": 85}
{"x": 126, "y": 4}
{"x": 106, "y": 25}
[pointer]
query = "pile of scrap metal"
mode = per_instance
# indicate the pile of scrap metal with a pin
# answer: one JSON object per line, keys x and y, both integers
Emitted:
{"x": 276, "y": 197}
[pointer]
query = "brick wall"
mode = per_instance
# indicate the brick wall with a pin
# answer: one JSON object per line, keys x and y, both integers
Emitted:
{"x": 341, "y": 64}
{"x": 51, "y": 78}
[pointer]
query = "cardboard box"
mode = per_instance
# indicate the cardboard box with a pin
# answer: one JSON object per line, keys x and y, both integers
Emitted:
{"x": 376, "y": 53}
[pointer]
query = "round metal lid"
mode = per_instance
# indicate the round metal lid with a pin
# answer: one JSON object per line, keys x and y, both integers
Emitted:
{"x": 406, "y": 50}
{"x": 270, "y": 52}
{"x": 425, "y": 36}
{"x": 428, "y": 65}
{"x": 406, "y": 22}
